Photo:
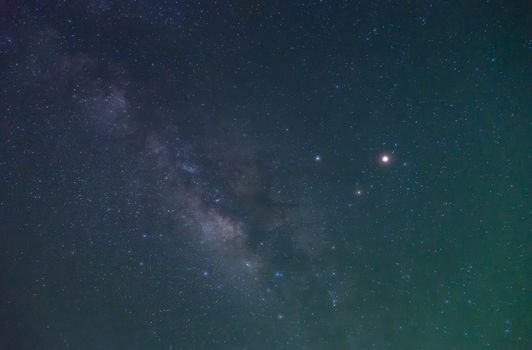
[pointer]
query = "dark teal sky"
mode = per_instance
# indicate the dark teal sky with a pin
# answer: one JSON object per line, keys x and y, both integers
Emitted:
{"x": 201, "y": 175}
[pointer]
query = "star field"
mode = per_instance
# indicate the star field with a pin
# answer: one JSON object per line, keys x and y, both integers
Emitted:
{"x": 271, "y": 175}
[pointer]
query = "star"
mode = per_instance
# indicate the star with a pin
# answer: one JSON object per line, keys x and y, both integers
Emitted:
{"x": 317, "y": 158}
{"x": 385, "y": 159}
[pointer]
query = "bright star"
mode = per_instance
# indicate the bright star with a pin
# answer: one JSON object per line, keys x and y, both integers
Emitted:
{"x": 385, "y": 159}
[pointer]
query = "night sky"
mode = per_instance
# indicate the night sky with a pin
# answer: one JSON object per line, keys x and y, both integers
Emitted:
{"x": 265, "y": 175}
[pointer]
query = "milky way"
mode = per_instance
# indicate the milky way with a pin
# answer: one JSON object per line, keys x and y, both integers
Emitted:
{"x": 310, "y": 175}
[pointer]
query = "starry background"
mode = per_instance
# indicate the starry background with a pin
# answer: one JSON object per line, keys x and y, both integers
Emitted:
{"x": 209, "y": 175}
